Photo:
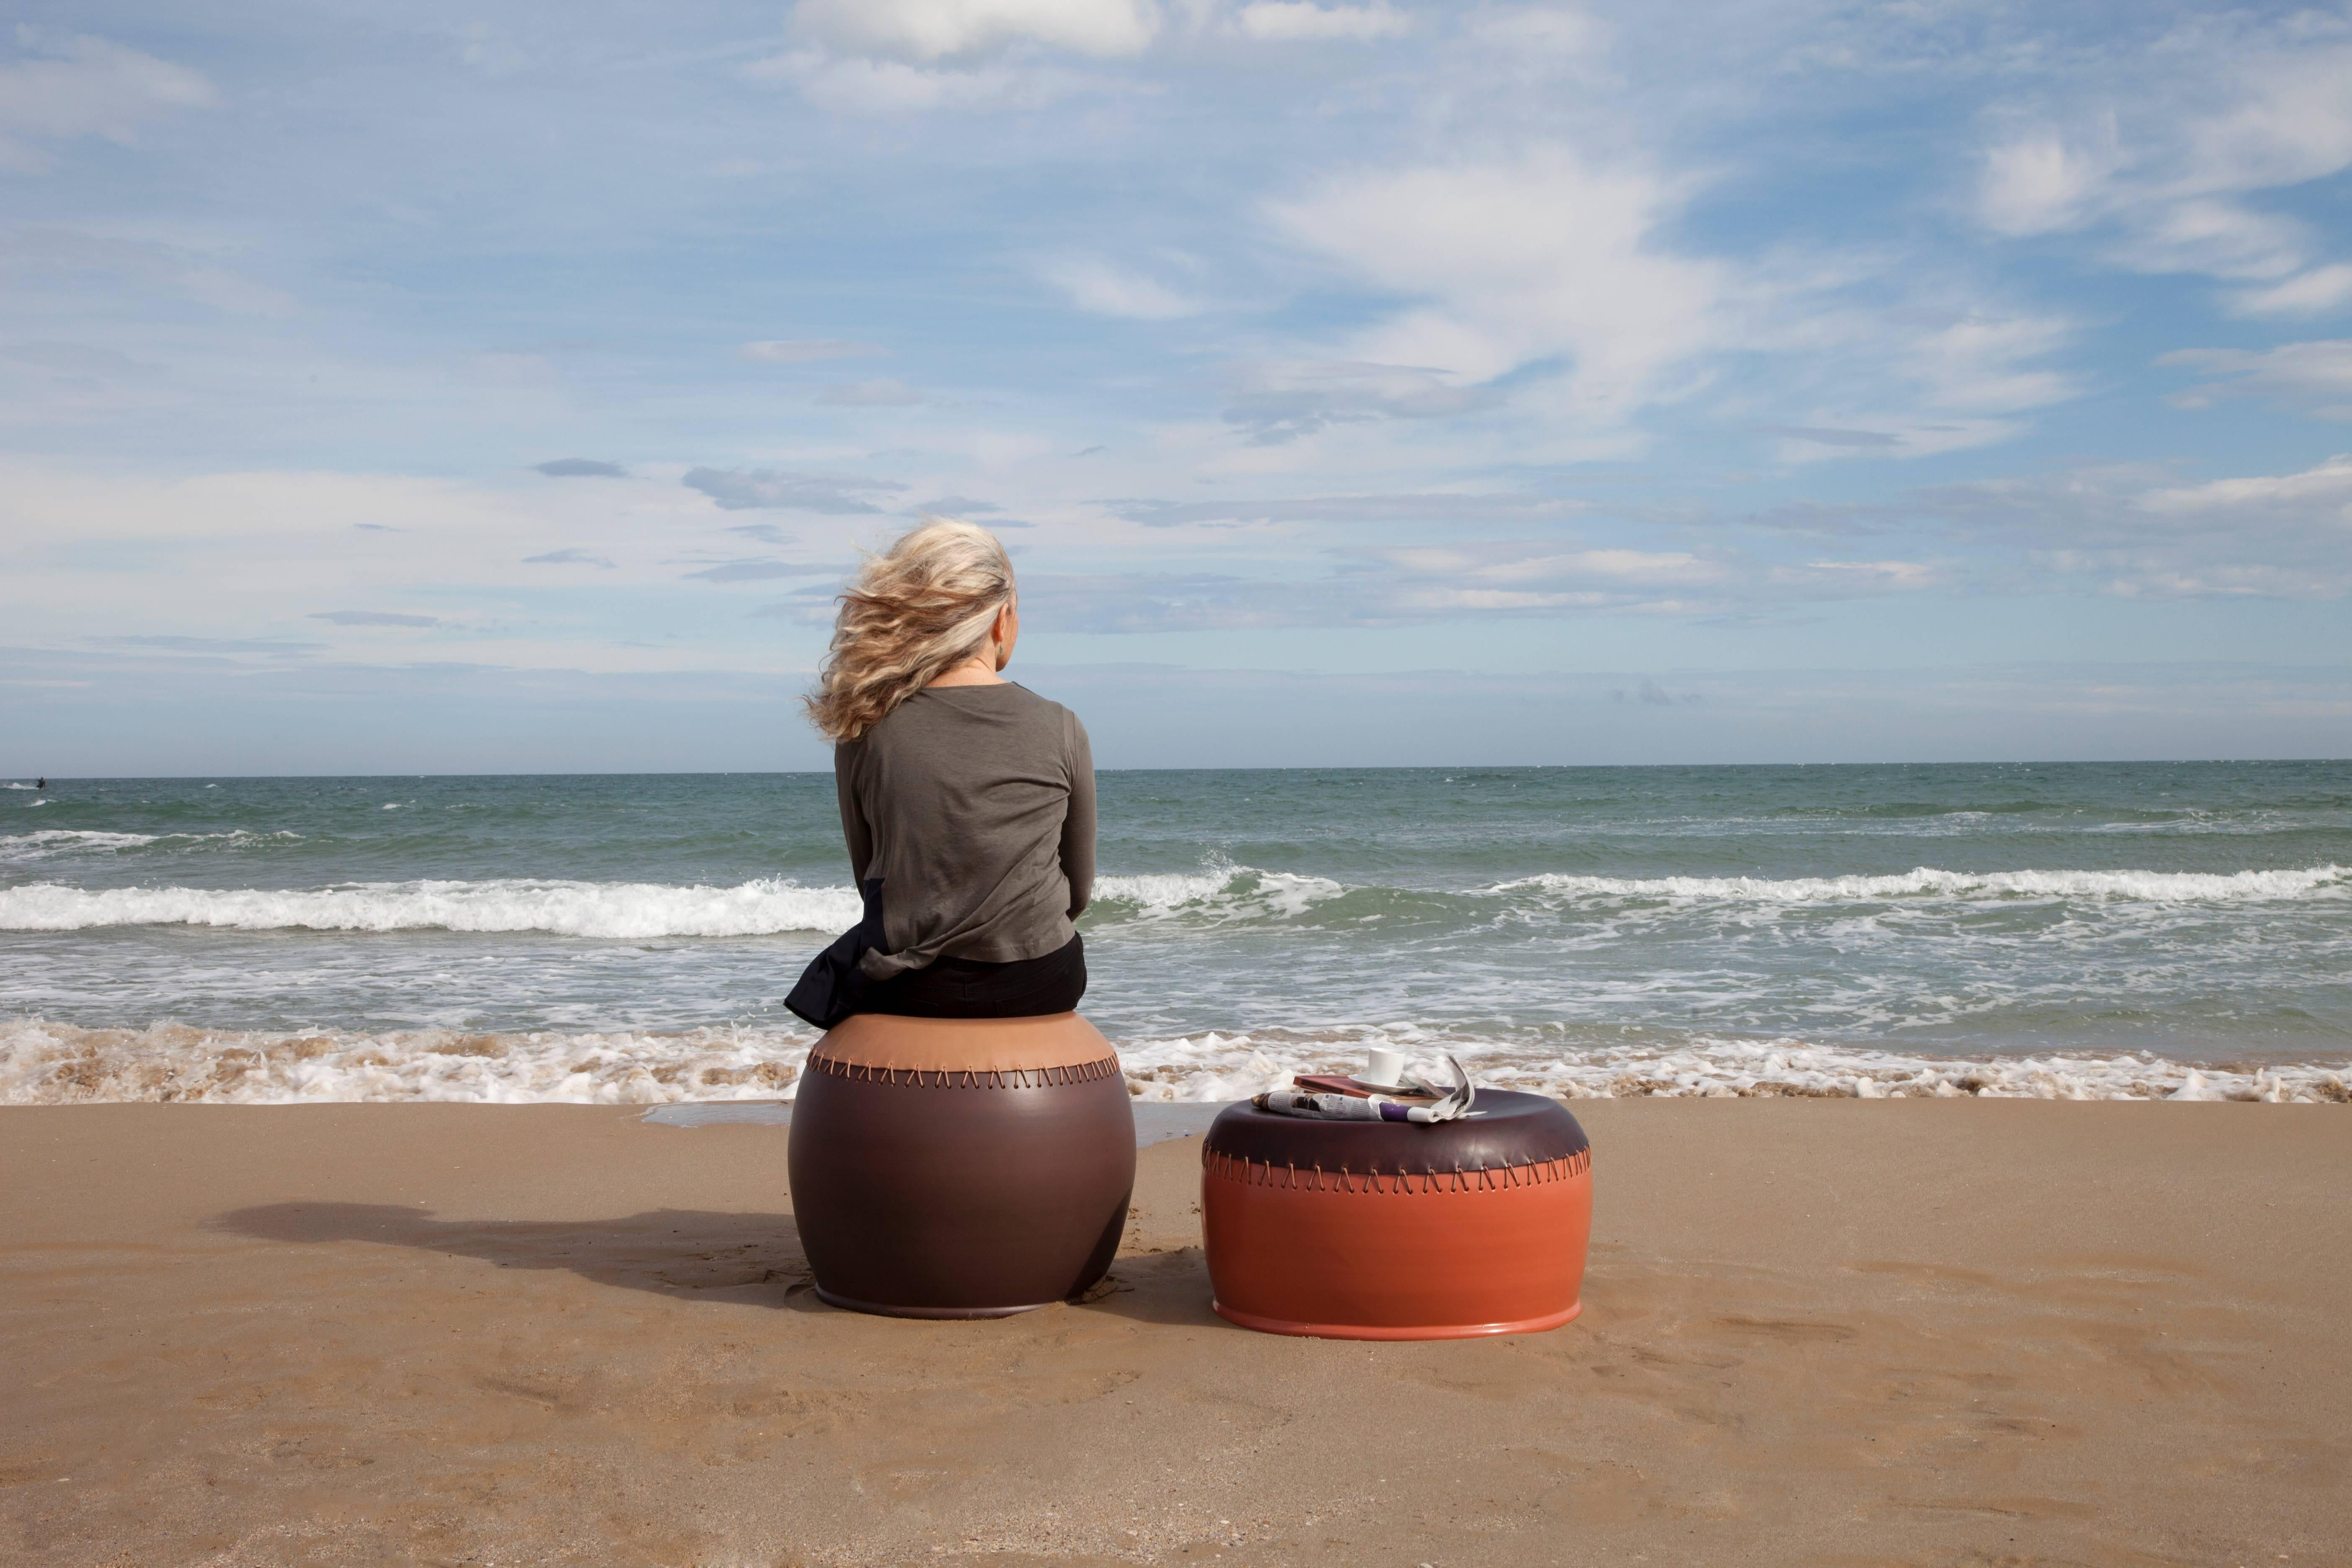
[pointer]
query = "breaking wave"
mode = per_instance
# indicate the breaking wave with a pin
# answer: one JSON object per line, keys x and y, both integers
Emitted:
{"x": 2144, "y": 887}
{"x": 48, "y": 1062}
{"x": 1213, "y": 1067}
{"x": 1219, "y": 896}
{"x": 630, "y": 911}
{"x": 45, "y": 1063}
{"x": 56, "y": 841}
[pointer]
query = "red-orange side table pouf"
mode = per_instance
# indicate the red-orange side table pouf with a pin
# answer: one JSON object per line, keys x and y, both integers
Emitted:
{"x": 1387, "y": 1230}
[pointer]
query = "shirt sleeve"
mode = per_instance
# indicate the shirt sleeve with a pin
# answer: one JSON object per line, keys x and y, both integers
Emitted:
{"x": 854, "y": 829}
{"x": 1079, "y": 822}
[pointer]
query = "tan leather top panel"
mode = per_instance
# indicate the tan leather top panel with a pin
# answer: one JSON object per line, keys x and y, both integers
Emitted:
{"x": 963, "y": 1045}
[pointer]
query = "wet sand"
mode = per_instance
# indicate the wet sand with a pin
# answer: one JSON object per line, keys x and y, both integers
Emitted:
{"x": 1818, "y": 1332}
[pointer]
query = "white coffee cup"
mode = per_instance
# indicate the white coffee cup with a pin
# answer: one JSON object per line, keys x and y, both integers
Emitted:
{"x": 1384, "y": 1068}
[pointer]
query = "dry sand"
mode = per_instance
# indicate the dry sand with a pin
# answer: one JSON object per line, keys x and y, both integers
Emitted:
{"x": 1815, "y": 1331}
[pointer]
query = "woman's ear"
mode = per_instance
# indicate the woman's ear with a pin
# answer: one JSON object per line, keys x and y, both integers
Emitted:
{"x": 1006, "y": 631}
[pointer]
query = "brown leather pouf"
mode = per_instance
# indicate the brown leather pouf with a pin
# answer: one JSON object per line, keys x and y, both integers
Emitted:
{"x": 1390, "y": 1231}
{"x": 960, "y": 1167}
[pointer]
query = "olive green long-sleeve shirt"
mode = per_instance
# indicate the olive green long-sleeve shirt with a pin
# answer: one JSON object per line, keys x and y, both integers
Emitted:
{"x": 975, "y": 806}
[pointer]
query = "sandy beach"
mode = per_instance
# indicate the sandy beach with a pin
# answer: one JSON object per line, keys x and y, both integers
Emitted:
{"x": 1822, "y": 1331}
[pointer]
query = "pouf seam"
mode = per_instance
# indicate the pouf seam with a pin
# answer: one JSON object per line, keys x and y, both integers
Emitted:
{"x": 969, "y": 1078}
{"x": 1483, "y": 1178}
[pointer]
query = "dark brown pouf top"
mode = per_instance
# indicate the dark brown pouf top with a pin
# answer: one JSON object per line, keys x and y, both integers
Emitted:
{"x": 1506, "y": 1127}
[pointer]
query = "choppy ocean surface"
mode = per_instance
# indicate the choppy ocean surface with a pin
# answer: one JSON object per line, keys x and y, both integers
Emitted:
{"x": 2136, "y": 930}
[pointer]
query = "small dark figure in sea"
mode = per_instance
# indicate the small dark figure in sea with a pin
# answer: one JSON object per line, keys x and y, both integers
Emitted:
{"x": 42, "y": 784}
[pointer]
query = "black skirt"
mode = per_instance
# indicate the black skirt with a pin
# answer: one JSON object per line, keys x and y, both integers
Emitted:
{"x": 967, "y": 988}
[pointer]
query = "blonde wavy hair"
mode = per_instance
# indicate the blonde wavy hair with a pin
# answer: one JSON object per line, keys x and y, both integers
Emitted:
{"x": 916, "y": 610}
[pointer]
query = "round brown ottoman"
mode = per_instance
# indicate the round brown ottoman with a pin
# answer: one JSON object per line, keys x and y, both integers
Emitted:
{"x": 1390, "y": 1231}
{"x": 960, "y": 1167}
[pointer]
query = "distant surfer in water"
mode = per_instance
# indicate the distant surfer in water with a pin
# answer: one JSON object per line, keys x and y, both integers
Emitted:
{"x": 42, "y": 784}
{"x": 968, "y": 802}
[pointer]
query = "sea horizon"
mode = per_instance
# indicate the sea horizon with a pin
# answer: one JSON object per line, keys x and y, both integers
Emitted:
{"x": 23, "y": 780}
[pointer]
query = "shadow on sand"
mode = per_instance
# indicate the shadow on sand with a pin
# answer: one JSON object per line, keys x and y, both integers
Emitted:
{"x": 672, "y": 1252}
{"x": 686, "y": 1253}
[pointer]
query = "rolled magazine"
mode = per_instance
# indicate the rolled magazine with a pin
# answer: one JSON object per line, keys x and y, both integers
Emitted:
{"x": 1374, "y": 1106}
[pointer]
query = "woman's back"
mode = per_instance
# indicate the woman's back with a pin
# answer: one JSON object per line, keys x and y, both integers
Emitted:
{"x": 974, "y": 806}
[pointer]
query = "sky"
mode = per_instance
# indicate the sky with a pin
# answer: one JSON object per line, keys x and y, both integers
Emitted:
{"x": 432, "y": 388}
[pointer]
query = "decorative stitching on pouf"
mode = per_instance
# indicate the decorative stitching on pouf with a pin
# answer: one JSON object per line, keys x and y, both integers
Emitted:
{"x": 970, "y": 1077}
{"x": 1315, "y": 1178}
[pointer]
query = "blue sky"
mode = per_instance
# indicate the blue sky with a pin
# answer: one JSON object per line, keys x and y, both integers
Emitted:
{"x": 430, "y": 388}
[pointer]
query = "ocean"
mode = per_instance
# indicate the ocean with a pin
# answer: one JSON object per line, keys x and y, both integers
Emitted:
{"x": 2177, "y": 929}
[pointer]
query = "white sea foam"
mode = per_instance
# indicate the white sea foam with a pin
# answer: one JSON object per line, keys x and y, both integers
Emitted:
{"x": 1926, "y": 881}
{"x": 1216, "y": 896}
{"x": 1220, "y": 894}
{"x": 1162, "y": 891}
{"x": 45, "y": 1063}
{"x": 632, "y": 911}
{"x": 56, "y": 841}
{"x": 1210, "y": 1067}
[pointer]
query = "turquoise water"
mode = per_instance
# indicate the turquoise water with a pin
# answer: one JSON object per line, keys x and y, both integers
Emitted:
{"x": 2105, "y": 927}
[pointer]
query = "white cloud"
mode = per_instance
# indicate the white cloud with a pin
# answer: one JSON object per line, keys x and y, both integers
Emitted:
{"x": 2292, "y": 123}
{"x": 1888, "y": 435}
{"x": 2167, "y": 167}
{"x": 90, "y": 262}
{"x": 66, "y": 356}
{"x": 1502, "y": 264}
{"x": 837, "y": 495}
{"x": 801, "y": 351}
{"x": 1288, "y": 20}
{"x": 1448, "y": 506}
{"x": 1102, "y": 289}
{"x": 1281, "y": 400}
{"x": 1403, "y": 586}
{"x": 2316, "y": 377}
{"x": 880, "y": 393}
{"x": 1892, "y": 576}
{"x": 2127, "y": 532}
{"x": 2214, "y": 236}
{"x": 1978, "y": 365}
{"x": 857, "y": 85}
{"x": 927, "y": 31}
{"x": 86, "y": 260}
{"x": 374, "y": 619}
{"x": 2041, "y": 182}
{"x": 1937, "y": 367}
{"x": 1401, "y": 583}
{"x": 2312, "y": 293}
{"x": 268, "y": 555}
{"x": 483, "y": 47}
{"x": 1538, "y": 30}
{"x": 1500, "y": 564}
{"x": 501, "y": 571}
{"x": 2321, "y": 495}
{"x": 77, "y": 87}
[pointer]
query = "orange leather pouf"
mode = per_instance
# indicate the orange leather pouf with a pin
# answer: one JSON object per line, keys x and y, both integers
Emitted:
{"x": 1390, "y": 1231}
